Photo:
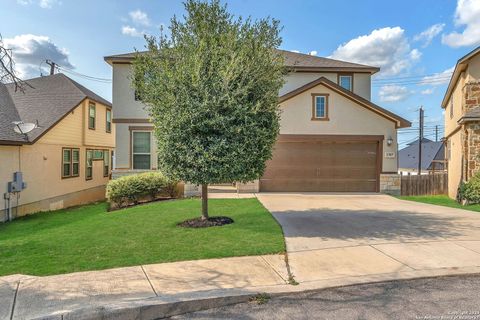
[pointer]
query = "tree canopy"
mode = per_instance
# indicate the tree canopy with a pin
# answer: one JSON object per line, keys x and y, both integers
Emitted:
{"x": 211, "y": 89}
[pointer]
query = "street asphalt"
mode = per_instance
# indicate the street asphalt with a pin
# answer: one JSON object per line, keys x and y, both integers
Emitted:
{"x": 443, "y": 298}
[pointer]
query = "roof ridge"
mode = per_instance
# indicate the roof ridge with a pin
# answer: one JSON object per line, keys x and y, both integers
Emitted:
{"x": 327, "y": 58}
{"x": 87, "y": 92}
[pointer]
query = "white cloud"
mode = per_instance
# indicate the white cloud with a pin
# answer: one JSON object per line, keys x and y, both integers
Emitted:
{"x": 139, "y": 17}
{"x": 296, "y": 51}
{"x": 45, "y": 4}
{"x": 313, "y": 53}
{"x": 467, "y": 14}
{"x": 393, "y": 93}
{"x": 29, "y": 51}
{"x": 132, "y": 31}
{"x": 387, "y": 48}
{"x": 438, "y": 78}
{"x": 427, "y": 91}
{"x": 427, "y": 35}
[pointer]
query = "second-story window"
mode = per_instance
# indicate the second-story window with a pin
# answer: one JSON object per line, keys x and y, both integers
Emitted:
{"x": 451, "y": 107}
{"x": 91, "y": 116}
{"x": 346, "y": 81}
{"x": 108, "y": 124}
{"x": 320, "y": 107}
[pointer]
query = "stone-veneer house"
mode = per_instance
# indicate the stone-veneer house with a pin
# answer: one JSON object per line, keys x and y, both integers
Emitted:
{"x": 332, "y": 137}
{"x": 462, "y": 121}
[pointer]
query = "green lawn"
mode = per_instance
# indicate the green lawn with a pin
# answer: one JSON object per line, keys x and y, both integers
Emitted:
{"x": 90, "y": 238}
{"x": 441, "y": 201}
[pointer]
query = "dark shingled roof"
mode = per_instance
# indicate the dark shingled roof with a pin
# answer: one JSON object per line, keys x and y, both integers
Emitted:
{"x": 48, "y": 101}
{"x": 431, "y": 150}
{"x": 293, "y": 60}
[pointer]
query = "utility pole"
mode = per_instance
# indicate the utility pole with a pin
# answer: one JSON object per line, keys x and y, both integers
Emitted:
{"x": 420, "y": 138}
{"x": 436, "y": 133}
{"x": 52, "y": 66}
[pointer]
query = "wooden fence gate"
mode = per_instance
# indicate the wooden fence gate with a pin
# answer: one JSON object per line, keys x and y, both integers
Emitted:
{"x": 427, "y": 184}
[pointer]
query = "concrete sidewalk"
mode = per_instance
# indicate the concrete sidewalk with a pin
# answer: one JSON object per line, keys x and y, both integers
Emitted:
{"x": 26, "y": 297}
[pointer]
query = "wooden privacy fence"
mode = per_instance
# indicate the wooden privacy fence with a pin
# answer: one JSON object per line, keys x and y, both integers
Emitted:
{"x": 427, "y": 184}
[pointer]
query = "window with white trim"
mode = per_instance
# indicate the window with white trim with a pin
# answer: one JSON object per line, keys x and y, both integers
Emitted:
{"x": 346, "y": 82}
{"x": 141, "y": 150}
{"x": 320, "y": 107}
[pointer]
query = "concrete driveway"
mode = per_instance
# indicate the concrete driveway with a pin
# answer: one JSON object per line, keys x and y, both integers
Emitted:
{"x": 331, "y": 236}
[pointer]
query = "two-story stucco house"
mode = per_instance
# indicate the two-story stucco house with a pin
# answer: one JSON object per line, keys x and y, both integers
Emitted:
{"x": 332, "y": 137}
{"x": 462, "y": 121}
{"x": 66, "y": 160}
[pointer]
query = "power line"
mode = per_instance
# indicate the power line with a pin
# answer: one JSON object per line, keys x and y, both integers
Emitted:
{"x": 84, "y": 76}
{"x": 436, "y": 81}
{"x": 415, "y": 77}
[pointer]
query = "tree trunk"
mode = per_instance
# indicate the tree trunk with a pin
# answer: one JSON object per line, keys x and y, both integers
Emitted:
{"x": 204, "y": 201}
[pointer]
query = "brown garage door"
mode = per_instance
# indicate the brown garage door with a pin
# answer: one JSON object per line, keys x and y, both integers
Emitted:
{"x": 323, "y": 163}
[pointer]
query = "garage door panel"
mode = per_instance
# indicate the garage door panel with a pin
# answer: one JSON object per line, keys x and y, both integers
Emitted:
{"x": 329, "y": 171}
{"x": 337, "y": 166}
{"x": 317, "y": 185}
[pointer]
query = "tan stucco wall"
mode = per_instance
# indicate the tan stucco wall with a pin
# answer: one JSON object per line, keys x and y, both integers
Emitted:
{"x": 473, "y": 70}
{"x": 41, "y": 162}
{"x": 455, "y": 164}
{"x": 346, "y": 117}
{"x": 451, "y": 123}
{"x": 361, "y": 82}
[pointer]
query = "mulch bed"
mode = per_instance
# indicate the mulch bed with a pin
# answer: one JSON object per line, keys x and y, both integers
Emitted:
{"x": 210, "y": 222}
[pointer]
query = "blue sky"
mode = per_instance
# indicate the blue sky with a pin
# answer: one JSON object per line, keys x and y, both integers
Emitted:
{"x": 416, "y": 43}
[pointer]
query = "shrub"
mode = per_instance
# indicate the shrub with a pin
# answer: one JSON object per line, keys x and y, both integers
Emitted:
{"x": 470, "y": 190}
{"x": 130, "y": 189}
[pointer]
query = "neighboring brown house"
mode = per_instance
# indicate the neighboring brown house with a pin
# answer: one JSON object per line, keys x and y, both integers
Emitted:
{"x": 332, "y": 137}
{"x": 462, "y": 121}
{"x": 58, "y": 158}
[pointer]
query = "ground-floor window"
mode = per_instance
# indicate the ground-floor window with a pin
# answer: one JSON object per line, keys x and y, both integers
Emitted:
{"x": 70, "y": 162}
{"x": 106, "y": 163}
{"x": 141, "y": 149}
{"x": 89, "y": 165}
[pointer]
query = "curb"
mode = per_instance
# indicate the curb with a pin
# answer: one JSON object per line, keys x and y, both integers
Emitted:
{"x": 148, "y": 309}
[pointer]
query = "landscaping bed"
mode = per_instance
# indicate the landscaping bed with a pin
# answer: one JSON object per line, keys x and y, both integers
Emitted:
{"x": 90, "y": 238}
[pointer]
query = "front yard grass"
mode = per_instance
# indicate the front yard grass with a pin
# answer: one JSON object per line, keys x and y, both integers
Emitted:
{"x": 442, "y": 200}
{"x": 90, "y": 238}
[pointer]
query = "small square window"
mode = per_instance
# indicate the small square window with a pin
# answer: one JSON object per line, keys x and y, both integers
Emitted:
{"x": 346, "y": 82}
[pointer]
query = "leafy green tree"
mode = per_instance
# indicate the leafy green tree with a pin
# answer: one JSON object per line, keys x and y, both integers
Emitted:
{"x": 211, "y": 89}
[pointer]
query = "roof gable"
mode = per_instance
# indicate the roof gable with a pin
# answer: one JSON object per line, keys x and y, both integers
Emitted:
{"x": 399, "y": 121}
{"x": 48, "y": 101}
{"x": 461, "y": 66}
